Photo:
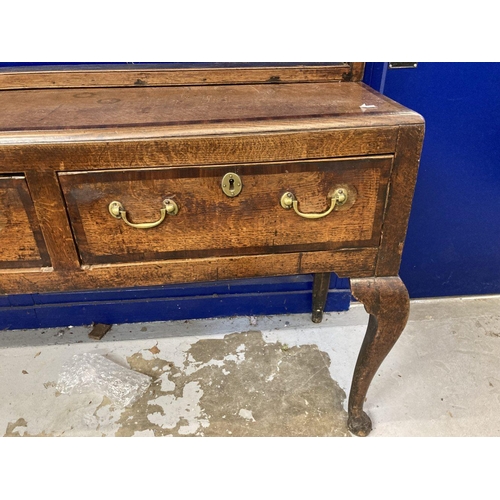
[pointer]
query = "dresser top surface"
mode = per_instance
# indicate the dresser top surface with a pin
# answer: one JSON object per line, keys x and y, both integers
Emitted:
{"x": 122, "y": 113}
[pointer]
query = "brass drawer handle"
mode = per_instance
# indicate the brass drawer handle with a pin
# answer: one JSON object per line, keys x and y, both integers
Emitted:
{"x": 118, "y": 212}
{"x": 288, "y": 200}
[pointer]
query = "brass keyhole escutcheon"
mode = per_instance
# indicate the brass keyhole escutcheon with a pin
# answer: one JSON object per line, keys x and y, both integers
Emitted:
{"x": 231, "y": 184}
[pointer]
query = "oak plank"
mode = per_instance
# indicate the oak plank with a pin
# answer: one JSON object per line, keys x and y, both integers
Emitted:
{"x": 399, "y": 201}
{"x": 200, "y": 150}
{"x": 351, "y": 262}
{"x": 50, "y": 210}
{"x": 147, "y": 76}
{"x": 186, "y": 105}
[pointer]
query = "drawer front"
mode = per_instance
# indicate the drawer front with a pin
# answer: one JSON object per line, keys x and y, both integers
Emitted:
{"x": 210, "y": 223}
{"x": 21, "y": 241}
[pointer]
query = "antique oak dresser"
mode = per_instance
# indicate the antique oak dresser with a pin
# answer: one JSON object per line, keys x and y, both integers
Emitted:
{"x": 157, "y": 175}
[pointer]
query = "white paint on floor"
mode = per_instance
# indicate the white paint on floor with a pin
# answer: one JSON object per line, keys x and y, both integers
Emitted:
{"x": 441, "y": 379}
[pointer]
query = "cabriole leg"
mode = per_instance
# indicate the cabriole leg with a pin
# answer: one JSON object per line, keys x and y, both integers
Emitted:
{"x": 387, "y": 302}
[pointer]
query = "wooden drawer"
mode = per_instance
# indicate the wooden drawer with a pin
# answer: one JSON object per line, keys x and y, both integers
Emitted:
{"x": 21, "y": 241}
{"x": 209, "y": 223}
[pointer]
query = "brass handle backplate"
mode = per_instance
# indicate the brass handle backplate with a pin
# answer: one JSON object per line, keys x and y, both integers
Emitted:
{"x": 118, "y": 212}
{"x": 338, "y": 198}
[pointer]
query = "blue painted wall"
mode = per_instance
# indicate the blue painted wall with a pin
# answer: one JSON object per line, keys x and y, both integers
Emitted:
{"x": 453, "y": 241}
{"x": 285, "y": 295}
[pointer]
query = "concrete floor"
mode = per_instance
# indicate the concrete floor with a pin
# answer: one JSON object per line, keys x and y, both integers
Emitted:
{"x": 265, "y": 376}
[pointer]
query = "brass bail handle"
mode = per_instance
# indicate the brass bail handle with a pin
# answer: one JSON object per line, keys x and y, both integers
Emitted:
{"x": 118, "y": 212}
{"x": 288, "y": 200}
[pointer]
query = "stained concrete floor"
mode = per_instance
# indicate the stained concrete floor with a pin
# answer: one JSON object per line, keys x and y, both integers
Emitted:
{"x": 264, "y": 376}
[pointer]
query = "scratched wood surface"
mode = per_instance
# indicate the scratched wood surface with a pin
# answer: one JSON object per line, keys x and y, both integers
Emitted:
{"x": 51, "y": 212}
{"x": 160, "y": 75}
{"x": 112, "y": 113}
{"x": 351, "y": 262}
{"x": 209, "y": 223}
{"x": 210, "y": 149}
{"x": 21, "y": 242}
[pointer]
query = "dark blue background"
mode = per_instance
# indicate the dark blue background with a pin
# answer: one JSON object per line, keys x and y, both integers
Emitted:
{"x": 453, "y": 242}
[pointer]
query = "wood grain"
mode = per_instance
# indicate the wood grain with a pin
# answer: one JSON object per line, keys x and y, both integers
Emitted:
{"x": 357, "y": 71}
{"x": 21, "y": 241}
{"x": 143, "y": 107}
{"x": 211, "y": 224}
{"x": 357, "y": 262}
{"x": 51, "y": 213}
{"x": 155, "y": 75}
{"x": 399, "y": 201}
{"x": 204, "y": 150}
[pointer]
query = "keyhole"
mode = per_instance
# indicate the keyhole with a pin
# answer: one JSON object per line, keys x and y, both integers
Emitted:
{"x": 231, "y": 184}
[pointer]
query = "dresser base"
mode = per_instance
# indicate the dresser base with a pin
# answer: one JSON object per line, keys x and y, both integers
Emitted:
{"x": 111, "y": 181}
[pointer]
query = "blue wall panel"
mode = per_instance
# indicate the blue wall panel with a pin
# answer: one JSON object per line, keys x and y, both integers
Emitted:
{"x": 453, "y": 242}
